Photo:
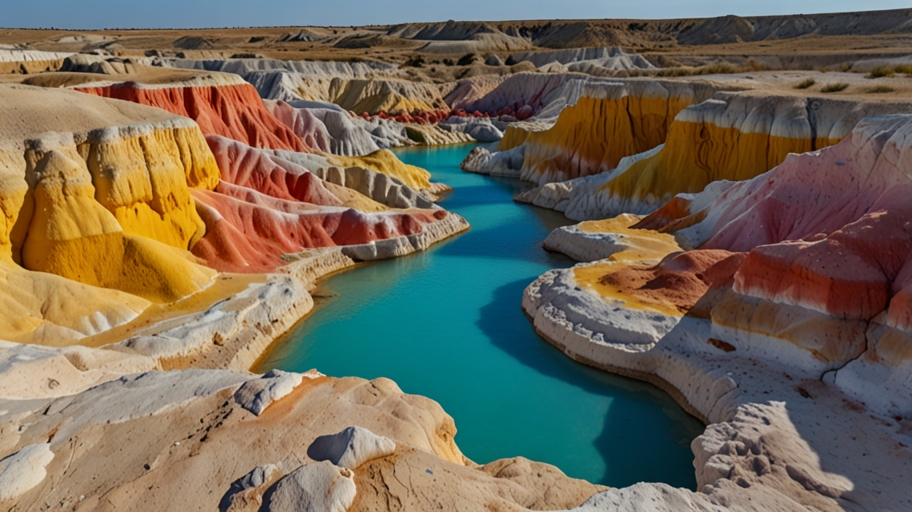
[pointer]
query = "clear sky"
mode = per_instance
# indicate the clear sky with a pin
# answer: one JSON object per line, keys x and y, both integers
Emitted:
{"x": 96, "y": 14}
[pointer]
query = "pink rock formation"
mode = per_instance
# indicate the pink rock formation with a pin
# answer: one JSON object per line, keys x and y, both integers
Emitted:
{"x": 258, "y": 170}
{"x": 266, "y": 206}
{"x": 231, "y": 109}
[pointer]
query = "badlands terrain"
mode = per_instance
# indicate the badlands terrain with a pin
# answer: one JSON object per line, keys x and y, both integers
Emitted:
{"x": 171, "y": 200}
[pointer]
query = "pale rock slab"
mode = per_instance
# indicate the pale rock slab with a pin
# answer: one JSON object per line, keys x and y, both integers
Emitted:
{"x": 24, "y": 470}
{"x": 351, "y": 447}
{"x": 648, "y": 496}
{"x": 316, "y": 487}
{"x": 257, "y": 395}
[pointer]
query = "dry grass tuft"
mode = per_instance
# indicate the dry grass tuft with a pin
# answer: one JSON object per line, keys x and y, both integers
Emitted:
{"x": 835, "y": 87}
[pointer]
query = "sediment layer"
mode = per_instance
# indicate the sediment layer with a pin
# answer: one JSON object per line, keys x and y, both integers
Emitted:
{"x": 795, "y": 294}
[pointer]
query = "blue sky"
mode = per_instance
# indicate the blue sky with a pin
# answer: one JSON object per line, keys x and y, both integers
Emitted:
{"x": 95, "y": 14}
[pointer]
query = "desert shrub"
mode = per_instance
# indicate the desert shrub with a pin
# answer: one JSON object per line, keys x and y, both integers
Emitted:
{"x": 835, "y": 87}
{"x": 753, "y": 65}
{"x": 466, "y": 60}
{"x": 415, "y": 61}
{"x": 806, "y": 83}
{"x": 905, "y": 69}
{"x": 879, "y": 89}
{"x": 881, "y": 71}
{"x": 720, "y": 68}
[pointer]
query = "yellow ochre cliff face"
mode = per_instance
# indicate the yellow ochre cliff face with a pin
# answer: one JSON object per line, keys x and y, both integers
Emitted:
{"x": 144, "y": 182}
{"x": 607, "y": 122}
{"x": 385, "y": 162}
{"x": 593, "y": 135}
{"x": 698, "y": 153}
{"x": 738, "y": 136}
{"x": 73, "y": 235}
{"x": 97, "y": 216}
{"x": 733, "y": 136}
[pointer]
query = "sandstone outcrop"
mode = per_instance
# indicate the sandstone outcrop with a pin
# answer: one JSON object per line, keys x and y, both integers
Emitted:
{"x": 290, "y": 80}
{"x": 109, "y": 207}
{"x": 585, "y": 60}
{"x": 326, "y": 129}
{"x": 103, "y": 204}
{"x": 30, "y": 61}
{"x": 603, "y": 239}
{"x": 788, "y": 309}
{"x": 608, "y": 122}
{"x": 221, "y": 104}
{"x": 351, "y": 447}
{"x": 734, "y": 136}
{"x": 196, "y": 435}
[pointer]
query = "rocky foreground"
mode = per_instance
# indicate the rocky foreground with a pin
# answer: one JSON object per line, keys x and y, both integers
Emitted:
{"x": 165, "y": 218}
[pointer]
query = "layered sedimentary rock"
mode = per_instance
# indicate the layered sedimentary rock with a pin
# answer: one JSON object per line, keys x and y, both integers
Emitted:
{"x": 582, "y": 126}
{"x": 363, "y": 88}
{"x": 734, "y": 136}
{"x": 385, "y": 162}
{"x": 798, "y": 276}
{"x": 585, "y": 60}
{"x": 110, "y": 209}
{"x": 267, "y": 206}
{"x": 290, "y": 80}
{"x": 99, "y": 207}
{"x": 327, "y": 129}
{"x": 221, "y": 104}
{"x": 608, "y": 122}
{"x": 603, "y": 239}
{"x": 469, "y": 90}
{"x": 233, "y": 111}
{"x": 528, "y": 94}
{"x": 189, "y": 420}
{"x": 30, "y": 61}
{"x": 390, "y": 96}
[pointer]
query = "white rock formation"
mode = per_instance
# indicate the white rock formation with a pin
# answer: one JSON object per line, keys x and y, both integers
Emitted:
{"x": 314, "y": 487}
{"x": 23, "y": 470}
{"x": 351, "y": 447}
{"x": 257, "y": 395}
{"x": 579, "y": 59}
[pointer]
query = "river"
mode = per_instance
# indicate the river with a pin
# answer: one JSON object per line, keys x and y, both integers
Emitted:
{"x": 447, "y": 324}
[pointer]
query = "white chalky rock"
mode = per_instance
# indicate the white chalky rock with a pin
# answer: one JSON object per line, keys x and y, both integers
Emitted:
{"x": 318, "y": 487}
{"x": 257, "y": 395}
{"x": 24, "y": 470}
{"x": 351, "y": 447}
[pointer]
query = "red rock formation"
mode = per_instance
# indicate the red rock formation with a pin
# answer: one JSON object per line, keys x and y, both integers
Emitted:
{"x": 852, "y": 273}
{"x": 233, "y": 110}
{"x": 266, "y": 206}
{"x": 829, "y": 231}
{"x": 258, "y": 170}
{"x": 252, "y": 235}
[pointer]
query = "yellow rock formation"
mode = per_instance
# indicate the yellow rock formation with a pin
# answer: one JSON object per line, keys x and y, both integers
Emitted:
{"x": 514, "y": 136}
{"x": 697, "y": 154}
{"x": 141, "y": 159}
{"x": 390, "y": 96}
{"x": 647, "y": 248}
{"x": 36, "y": 307}
{"x": 13, "y": 190}
{"x": 599, "y": 132}
{"x": 602, "y": 123}
{"x": 72, "y": 235}
{"x": 385, "y": 162}
{"x": 144, "y": 182}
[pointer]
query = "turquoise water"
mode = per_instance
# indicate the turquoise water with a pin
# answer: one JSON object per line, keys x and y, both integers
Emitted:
{"x": 447, "y": 324}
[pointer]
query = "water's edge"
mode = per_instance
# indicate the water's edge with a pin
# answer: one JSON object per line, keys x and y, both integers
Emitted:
{"x": 447, "y": 324}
